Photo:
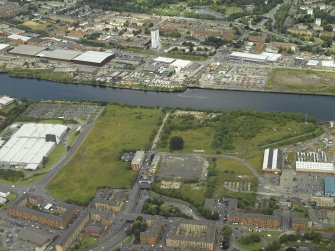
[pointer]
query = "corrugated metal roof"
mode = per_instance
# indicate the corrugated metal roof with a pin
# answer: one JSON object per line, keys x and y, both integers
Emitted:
{"x": 60, "y": 54}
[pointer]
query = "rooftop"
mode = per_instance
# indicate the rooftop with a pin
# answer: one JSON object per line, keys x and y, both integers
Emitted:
{"x": 93, "y": 56}
{"x": 28, "y": 50}
{"x": 60, "y": 54}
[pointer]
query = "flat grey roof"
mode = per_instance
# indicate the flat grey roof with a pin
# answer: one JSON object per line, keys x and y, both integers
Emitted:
{"x": 93, "y": 56}
{"x": 60, "y": 54}
{"x": 28, "y": 50}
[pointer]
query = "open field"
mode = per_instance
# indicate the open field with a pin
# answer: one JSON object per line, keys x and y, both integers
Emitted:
{"x": 36, "y": 25}
{"x": 46, "y": 74}
{"x": 234, "y": 131}
{"x": 301, "y": 81}
{"x": 97, "y": 163}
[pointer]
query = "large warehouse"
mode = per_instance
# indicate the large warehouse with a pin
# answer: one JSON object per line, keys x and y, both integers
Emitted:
{"x": 59, "y": 54}
{"x": 31, "y": 144}
{"x": 272, "y": 161}
{"x": 94, "y": 58}
{"x": 314, "y": 167}
{"x": 329, "y": 186}
{"x": 260, "y": 58}
{"x": 26, "y": 50}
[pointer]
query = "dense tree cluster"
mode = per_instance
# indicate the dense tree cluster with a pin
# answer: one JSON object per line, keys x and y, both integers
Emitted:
{"x": 226, "y": 234}
{"x": 176, "y": 143}
{"x": 249, "y": 239}
{"x": 159, "y": 207}
{"x": 137, "y": 227}
{"x": 11, "y": 175}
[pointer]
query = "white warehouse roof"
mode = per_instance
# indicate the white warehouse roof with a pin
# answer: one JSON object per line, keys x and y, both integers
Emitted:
{"x": 28, "y": 145}
{"x": 60, "y": 54}
{"x": 263, "y": 57}
{"x": 5, "y": 100}
{"x": 318, "y": 167}
{"x": 179, "y": 63}
{"x": 164, "y": 60}
{"x": 4, "y": 46}
{"x": 327, "y": 63}
{"x": 312, "y": 62}
{"x": 93, "y": 56}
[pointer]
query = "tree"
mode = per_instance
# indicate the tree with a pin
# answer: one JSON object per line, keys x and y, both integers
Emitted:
{"x": 176, "y": 143}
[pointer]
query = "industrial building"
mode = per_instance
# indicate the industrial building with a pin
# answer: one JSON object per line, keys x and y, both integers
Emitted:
{"x": 181, "y": 64}
{"x": 260, "y": 58}
{"x": 187, "y": 234}
{"x": 137, "y": 161}
{"x": 329, "y": 183}
{"x": 26, "y": 50}
{"x": 272, "y": 161}
{"x": 323, "y": 202}
{"x": 31, "y": 144}
{"x": 314, "y": 167}
{"x": 94, "y": 58}
{"x": 5, "y": 100}
{"x": 164, "y": 60}
{"x": 59, "y": 54}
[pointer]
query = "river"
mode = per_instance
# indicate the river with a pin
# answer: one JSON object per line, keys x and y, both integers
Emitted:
{"x": 321, "y": 107}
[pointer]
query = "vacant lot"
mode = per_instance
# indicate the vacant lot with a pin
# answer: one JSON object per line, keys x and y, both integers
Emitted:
{"x": 219, "y": 171}
{"x": 36, "y": 25}
{"x": 97, "y": 161}
{"x": 233, "y": 131}
{"x": 302, "y": 81}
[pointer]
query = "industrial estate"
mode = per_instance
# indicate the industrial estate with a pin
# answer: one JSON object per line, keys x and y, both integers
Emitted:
{"x": 91, "y": 175}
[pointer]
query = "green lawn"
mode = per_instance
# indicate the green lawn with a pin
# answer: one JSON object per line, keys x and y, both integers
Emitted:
{"x": 251, "y": 246}
{"x": 302, "y": 81}
{"x": 47, "y": 74}
{"x": 55, "y": 156}
{"x": 96, "y": 163}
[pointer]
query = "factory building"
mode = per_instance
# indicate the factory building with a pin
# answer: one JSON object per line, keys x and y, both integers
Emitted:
{"x": 137, "y": 161}
{"x": 314, "y": 167}
{"x": 272, "y": 161}
{"x": 259, "y": 58}
{"x": 31, "y": 144}
{"x": 323, "y": 202}
{"x": 59, "y": 54}
{"x": 329, "y": 183}
{"x": 5, "y": 101}
{"x": 26, "y": 50}
{"x": 94, "y": 58}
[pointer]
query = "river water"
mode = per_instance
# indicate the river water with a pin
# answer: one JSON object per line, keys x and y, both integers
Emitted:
{"x": 321, "y": 107}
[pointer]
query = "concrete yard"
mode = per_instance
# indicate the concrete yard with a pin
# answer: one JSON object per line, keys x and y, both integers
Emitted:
{"x": 183, "y": 167}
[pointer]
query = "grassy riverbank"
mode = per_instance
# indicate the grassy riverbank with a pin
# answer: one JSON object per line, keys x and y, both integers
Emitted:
{"x": 301, "y": 81}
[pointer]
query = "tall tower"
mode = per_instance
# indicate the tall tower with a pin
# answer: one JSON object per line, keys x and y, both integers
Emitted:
{"x": 155, "y": 42}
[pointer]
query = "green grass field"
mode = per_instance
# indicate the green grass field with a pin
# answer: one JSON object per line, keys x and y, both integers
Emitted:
{"x": 301, "y": 81}
{"x": 96, "y": 163}
{"x": 198, "y": 134}
{"x": 46, "y": 74}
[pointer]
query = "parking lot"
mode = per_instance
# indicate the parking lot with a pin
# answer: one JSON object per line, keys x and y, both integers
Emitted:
{"x": 310, "y": 184}
{"x": 63, "y": 111}
{"x": 183, "y": 167}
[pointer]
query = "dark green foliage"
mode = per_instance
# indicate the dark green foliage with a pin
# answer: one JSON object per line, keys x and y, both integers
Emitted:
{"x": 11, "y": 175}
{"x": 226, "y": 233}
{"x": 274, "y": 246}
{"x": 137, "y": 227}
{"x": 176, "y": 143}
{"x": 158, "y": 207}
{"x": 251, "y": 238}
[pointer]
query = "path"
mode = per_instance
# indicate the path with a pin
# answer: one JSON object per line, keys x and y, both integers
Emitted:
{"x": 157, "y": 137}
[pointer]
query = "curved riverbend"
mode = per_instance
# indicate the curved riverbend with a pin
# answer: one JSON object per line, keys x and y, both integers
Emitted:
{"x": 321, "y": 107}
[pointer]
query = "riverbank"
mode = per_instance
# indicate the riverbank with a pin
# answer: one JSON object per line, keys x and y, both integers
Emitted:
{"x": 272, "y": 87}
{"x": 66, "y": 78}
